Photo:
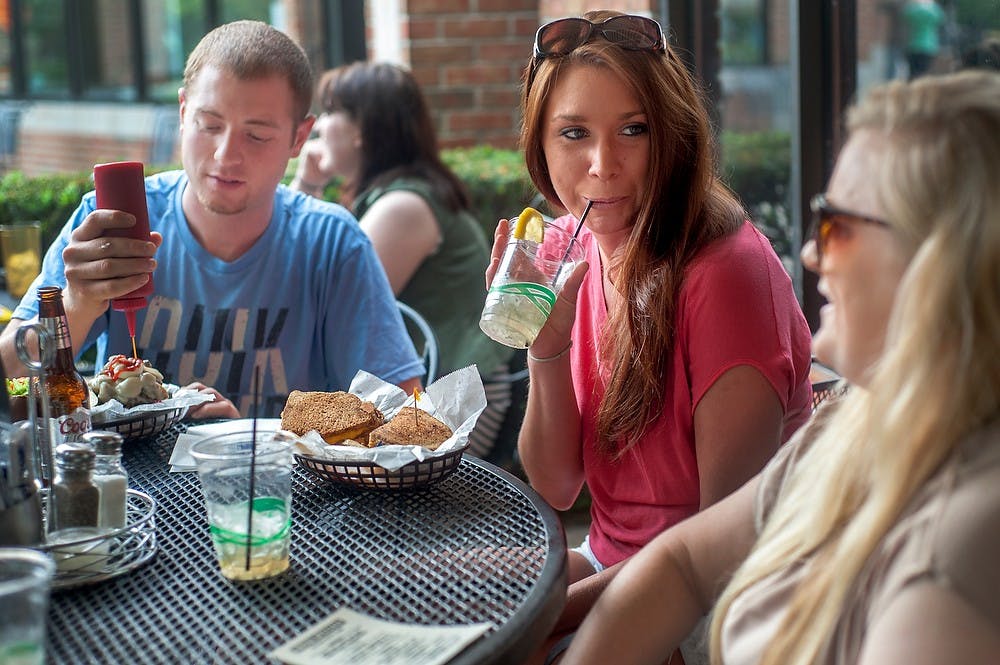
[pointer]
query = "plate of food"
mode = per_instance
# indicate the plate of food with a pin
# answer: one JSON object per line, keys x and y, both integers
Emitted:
{"x": 17, "y": 396}
{"x": 377, "y": 437}
{"x": 129, "y": 396}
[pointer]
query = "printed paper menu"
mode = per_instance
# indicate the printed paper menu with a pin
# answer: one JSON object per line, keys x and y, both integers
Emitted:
{"x": 347, "y": 637}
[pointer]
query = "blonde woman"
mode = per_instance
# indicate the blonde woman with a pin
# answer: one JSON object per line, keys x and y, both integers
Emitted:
{"x": 874, "y": 535}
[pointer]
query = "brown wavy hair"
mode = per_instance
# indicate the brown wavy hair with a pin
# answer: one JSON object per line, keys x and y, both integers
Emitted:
{"x": 397, "y": 131}
{"x": 685, "y": 208}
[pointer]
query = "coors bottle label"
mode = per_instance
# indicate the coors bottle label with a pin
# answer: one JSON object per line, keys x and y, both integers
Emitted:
{"x": 70, "y": 427}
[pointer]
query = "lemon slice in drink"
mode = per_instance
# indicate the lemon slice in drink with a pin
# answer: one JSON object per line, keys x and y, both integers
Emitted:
{"x": 530, "y": 226}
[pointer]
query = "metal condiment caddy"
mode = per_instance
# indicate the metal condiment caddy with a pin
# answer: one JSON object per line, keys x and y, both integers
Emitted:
{"x": 92, "y": 558}
{"x": 83, "y": 555}
{"x": 25, "y": 451}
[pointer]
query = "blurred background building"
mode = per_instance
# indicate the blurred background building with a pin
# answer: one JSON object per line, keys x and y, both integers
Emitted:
{"x": 83, "y": 81}
{"x": 88, "y": 81}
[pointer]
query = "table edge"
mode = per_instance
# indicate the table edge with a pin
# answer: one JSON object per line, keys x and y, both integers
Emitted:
{"x": 540, "y": 611}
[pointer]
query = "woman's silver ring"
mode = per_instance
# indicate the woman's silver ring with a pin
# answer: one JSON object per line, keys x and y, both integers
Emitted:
{"x": 106, "y": 245}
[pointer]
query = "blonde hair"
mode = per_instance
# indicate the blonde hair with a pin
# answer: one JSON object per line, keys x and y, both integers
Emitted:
{"x": 938, "y": 379}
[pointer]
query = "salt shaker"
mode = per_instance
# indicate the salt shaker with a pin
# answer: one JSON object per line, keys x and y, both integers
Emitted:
{"x": 73, "y": 497}
{"x": 110, "y": 477}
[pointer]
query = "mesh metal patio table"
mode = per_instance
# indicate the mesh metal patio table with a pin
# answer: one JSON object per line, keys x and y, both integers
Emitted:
{"x": 480, "y": 546}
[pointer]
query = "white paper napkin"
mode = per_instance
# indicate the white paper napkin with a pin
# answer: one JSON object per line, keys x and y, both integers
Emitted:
{"x": 180, "y": 458}
{"x": 347, "y": 637}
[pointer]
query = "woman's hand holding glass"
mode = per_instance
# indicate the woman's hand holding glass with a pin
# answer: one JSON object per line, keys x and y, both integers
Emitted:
{"x": 554, "y": 336}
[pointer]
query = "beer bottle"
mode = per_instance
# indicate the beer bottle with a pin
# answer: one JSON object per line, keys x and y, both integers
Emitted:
{"x": 68, "y": 394}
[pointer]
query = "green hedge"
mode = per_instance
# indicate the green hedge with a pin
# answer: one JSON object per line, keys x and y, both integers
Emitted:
{"x": 49, "y": 199}
{"x": 497, "y": 181}
{"x": 756, "y": 166}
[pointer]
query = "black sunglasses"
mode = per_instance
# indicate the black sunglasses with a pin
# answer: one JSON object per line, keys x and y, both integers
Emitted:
{"x": 826, "y": 216}
{"x": 635, "y": 33}
{"x": 563, "y": 36}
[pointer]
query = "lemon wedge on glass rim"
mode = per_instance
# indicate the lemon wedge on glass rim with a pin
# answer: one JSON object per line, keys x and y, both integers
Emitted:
{"x": 530, "y": 226}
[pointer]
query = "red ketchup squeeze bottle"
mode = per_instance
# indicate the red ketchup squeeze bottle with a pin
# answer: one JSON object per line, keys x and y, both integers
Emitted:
{"x": 120, "y": 186}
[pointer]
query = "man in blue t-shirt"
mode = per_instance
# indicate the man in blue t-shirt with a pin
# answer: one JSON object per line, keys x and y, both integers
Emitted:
{"x": 246, "y": 272}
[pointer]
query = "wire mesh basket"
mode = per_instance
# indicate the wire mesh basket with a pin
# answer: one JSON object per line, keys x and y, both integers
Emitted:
{"x": 825, "y": 390}
{"x": 370, "y": 475}
{"x": 100, "y": 557}
{"x": 144, "y": 424}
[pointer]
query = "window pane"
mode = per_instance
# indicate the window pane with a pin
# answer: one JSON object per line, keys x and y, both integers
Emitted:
{"x": 744, "y": 32}
{"x": 172, "y": 29}
{"x": 977, "y": 33}
{"x": 45, "y": 48}
{"x": 107, "y": 64}
{"x": 756, "y": 117}
{"x": 907, "y": 38}
{"x": 259, "y": 10}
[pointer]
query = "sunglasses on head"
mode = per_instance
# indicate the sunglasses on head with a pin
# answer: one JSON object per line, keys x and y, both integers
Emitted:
{"x": 563, "y": 36}
{"x": 635, "y": 33}
{"x": 826, "y": 216}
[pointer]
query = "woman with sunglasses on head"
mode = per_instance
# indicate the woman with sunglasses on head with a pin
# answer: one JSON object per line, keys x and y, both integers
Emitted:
{"x": 377, "y": 135}
{"x": 873, "y": 537}
{"x": 676, "y": 361}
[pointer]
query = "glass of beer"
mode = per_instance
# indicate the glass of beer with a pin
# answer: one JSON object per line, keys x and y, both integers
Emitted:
{"x": 22, "y": 255}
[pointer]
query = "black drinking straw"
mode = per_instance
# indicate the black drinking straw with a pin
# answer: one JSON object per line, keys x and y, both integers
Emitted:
{"x": 253, "y": 458}
{"x": 569, "y": 245}
{"x": 579, "y": 225}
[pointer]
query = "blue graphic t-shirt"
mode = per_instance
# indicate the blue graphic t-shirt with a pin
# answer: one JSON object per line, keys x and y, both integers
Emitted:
{"x": 309, "y": 303}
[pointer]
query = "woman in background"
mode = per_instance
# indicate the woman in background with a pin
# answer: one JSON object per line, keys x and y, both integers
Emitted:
{"x": 874, "y": 536}
{"x": 377, "y": 135}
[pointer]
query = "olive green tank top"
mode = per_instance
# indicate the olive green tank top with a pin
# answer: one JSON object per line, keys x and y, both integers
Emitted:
{"x": 448, "y": 289}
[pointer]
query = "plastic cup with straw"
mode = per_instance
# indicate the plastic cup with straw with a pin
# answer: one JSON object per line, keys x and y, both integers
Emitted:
{"x": 246, "y": 480}
{"x": 529, "y": 278}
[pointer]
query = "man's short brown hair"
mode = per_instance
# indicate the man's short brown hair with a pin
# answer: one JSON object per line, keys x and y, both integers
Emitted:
{"x": 251, "y": 50}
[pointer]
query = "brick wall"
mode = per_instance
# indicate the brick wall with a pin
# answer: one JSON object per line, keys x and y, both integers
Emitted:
{"x": 62, "y": 136}
{"x": 48, "y": 152}
{"x": 468, "y": 56}
{"x": 553, "y": 9}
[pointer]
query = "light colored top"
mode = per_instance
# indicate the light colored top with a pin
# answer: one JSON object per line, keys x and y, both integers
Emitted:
{"x": 949, "y": 535}
{"x": 309, "y": 302}
{"x": 736, "y": 307}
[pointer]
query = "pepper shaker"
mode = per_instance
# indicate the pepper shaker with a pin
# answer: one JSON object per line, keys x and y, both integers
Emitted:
{"x": 73, "y": 496}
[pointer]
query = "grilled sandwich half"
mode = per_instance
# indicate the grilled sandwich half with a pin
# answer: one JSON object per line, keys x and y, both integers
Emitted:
{"x": 337, "y": 416}
{"x": 411, "y": 429}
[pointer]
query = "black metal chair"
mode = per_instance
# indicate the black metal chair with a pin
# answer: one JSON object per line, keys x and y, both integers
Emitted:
{"x": 428, "y": 345}
{"x": 825, "y": 383}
